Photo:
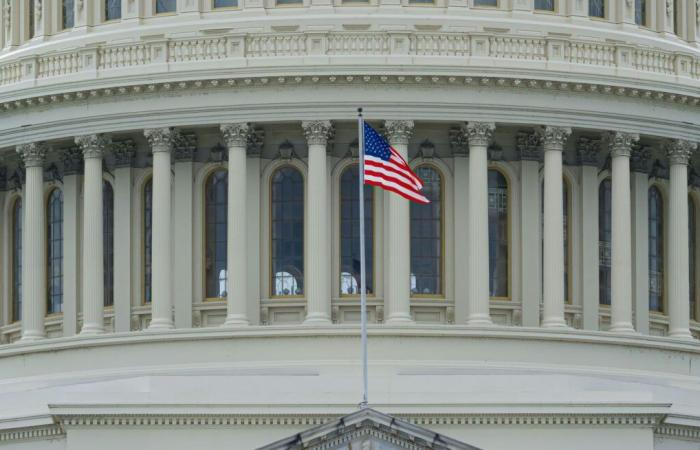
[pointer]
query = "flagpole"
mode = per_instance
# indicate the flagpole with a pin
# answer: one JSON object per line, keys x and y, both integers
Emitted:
{"x": 363, "y": 290}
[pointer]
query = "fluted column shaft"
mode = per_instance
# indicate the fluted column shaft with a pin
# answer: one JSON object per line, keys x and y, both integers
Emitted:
{"x": 93, "y": 244}
{"x": 678, "y": 274}
{"x": 553, "y": 245}
{"x": 621, "y": 236}
{"x": 161, "y": 141}
{"x": 317, "y": 273}
{"x": 479, "y": 135}
{"x": 398, "y": 267}
{"x": 33, "y": 243}
{"x": 236, "y": 138}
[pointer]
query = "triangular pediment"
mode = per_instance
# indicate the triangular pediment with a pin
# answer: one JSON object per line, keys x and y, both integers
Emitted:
{"x": 368, "y": 429}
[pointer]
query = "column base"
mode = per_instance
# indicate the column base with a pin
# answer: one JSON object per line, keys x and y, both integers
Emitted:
{"x": 91, "y": 330}
{"x": 479, "y": 320}
{"x": 160, "y": 325}
{"x": 623, "y": 328}
{"x": 555, "y": 323}
{"x": 32, "y": 336}
{"x": 682, "y": 333}
{"x": 400, "y": 319}
{"x": 236, "y": 320}
{"x": 316, "y": 319}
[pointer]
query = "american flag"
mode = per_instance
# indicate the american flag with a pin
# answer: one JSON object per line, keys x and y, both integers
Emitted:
{"x": 384, "y": 167}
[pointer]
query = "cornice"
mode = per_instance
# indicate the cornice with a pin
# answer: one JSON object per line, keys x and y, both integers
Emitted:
{"x": 31, "y": 433}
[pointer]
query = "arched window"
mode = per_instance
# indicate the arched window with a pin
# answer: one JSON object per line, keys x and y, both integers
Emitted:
{"x": 215, "y": 228}
{"x": 287, "y": 232}
{"x": 604, "y": 240}
{"x": 692, "y": 254}
{"x": 67, "y": 13}
{"x": 54, "y": 220}
{"x": 113, "y": 9}
{"x": 350, "y": 233}
{"x": 426, "y": 236}
{"x": 498, "y": 234}
{"x": 566, "y": 199}
{"x": 640, "y": 12}
{"x": 596, "y": 8}
{"x": 677, "y": 16}
{"x": 656, "y": 249}
{"x": 31, "y": 18}
{"x": 17, "y": 260}
{"x": 108, "y": 239}
{"x": 147, "y": 239}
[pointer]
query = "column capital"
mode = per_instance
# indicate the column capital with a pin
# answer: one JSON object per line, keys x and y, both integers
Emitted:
{"x": 236, "y": 134}
{"x": 459, "y": 142}
{"x": 621, "y": 143}
{"x": 72, "y": 158}
{"x": 528, "y": 145}
{"x": 184, "y": 146}
{"x": 32, "y": 154}
{"x": 318, "y": 132}
{"x": 123, "y": 152}
{"x": 640, "y": 158}
{"x": 480, "y": 133}
{"x": 399, "y": 131}
{"x": 679, "y": 151}
{"x": 160, "y": 139}
{"x": 554, "y": 138}
{"x": 92, "y": 145}
{"x": 587, "y": 150}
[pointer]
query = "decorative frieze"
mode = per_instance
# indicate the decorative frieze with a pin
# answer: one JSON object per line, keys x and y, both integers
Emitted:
{"x": 588, "y": 151}
{"x": 124, "y": 153}
{"x": 93, "y": 145}
{"x": 318, "y": 132}
{"x": 621, "y": 143}
{"x": 399, "y": 132}
{"x": 32, "y": 154}
{"x": 480, "y": 133}
{"x": 679, "y": 151}
{"x": 529, "y": 145}
{"x": 161, "y": 139}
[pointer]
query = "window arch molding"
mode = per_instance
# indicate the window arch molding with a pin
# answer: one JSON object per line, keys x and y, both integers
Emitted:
{"x": 662, "y": 186}
{"x": 138, "y": 243}
{"x": 694, "y": 197}
{"x": 512, "y": 181}
{"x": 198, "y": 227}
{"x": 6, "y": 312}
{"x": 446, "y": 175}
{"x": 266, "y": 215}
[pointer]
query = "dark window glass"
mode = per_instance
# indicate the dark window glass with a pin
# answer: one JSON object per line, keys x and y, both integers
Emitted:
{"x": 350, "y": 233}
{"x": 31, "y": 18}
{"x": 147, "y": 238}
{"x": 54, "y": 254}
{"x": 691, "y": 254}
{"x": 676, "y": 12}
{"x": 289, "y": 2}
{"x": 17, "y": 261}
{"x": 498, "y": 234}
{"x": 165, "y": 6}
{"x": 225, "y": 3}
{"x": 485, "y": 2}
{"x": 640, "y": 12}
{"x": 565, "y": 220}
{"x": 113, "y": 9}
{"x": 426, "y": 236}
{"x": 596, "y": 8}
{"x": 216, "y": 205}
{"x": 656, "y": 249}
{"x": 68, "y": 15}
{"x": 544, "y": 5}
{"x": 604, "y": 239}
{"x": 287, "y": 232}
{"x": 108, "y": 239}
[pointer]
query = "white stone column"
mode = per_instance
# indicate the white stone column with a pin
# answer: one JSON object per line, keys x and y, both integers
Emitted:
{"x": 460, "y": 153}
{"x": 72, "y": 181}
{"x": 161, "y": 141}
{"x": 553, "y": 251}
{"x": 479, "y": 134}
{"x": 529, "y": 148}
{"x": 236, "y": 136}
{"x": 398, "y": 264}
{"x": 123, "y": 153}
{"x": 33, "y": 242}
{"x": 93, "y": 147}
{"x": 588, "y": 153}
{"x": 678, "y": 283}
{"x": 318, "y": 260}
{"x": 621, "y": 237}
{"x": 639, "y": 165}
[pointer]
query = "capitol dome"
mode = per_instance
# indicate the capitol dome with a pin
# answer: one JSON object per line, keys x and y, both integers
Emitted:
{"x": 179, "y": 227}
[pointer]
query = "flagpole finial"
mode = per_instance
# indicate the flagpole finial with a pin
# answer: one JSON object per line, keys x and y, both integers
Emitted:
{"x": 359, "y": 111}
